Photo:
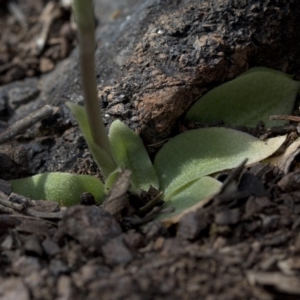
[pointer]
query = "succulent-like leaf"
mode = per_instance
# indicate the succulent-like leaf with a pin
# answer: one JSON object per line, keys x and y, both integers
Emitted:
{"x": 64, "y": 188}
{"x": 190, "y": 194}
{"x": 264, "y": 69}
{"x": 253, "y": 96}
{"x": 111, "y": 179}
{"x": 202, "y": 152}
{"x": 129, "y": 152}
{"x": 104, "y": 162}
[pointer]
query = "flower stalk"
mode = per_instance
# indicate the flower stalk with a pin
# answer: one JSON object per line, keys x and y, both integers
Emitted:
{"x": 84, "y": 14}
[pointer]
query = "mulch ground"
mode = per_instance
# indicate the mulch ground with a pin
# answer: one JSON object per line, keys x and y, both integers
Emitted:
{"x": 35, "y": 36}
{"x": 242, "y": 245}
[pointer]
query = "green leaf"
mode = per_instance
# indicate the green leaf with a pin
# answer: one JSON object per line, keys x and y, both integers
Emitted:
{"x": 111, "y": 179}
{"x": 253, "y": 96}
{"x": 129, "y": 152}
{"x": 264, "y": 69}
{"x": 64, "y": 188}
{"x": 190, "y": 194}
{"x": 202, "y": 152}
{"x": 104, "y": 162}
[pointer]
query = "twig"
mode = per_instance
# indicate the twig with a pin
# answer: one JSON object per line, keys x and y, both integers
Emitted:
{"x": 236, "y": 195}
{"x": 231, "y": 182}
{"x": 19, "y": 216}
{"x": 49, "y": 14}
{"x": 285, "y": 117}
{"x": 6, "y": 210}
{"x": 136, "y": 220}
{"x": 26, "y": 122}
{"x": 17, "y": 13}
{"x": 84, "y": 15}
{"x": 4, "y": 200}
{"x": 44, "y": 215}
{"x": 13, "y": 207}
{"x": 151, "y": 204}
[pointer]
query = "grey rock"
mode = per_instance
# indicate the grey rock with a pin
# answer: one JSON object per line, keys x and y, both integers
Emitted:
{"x": 228, "y": 217}
{"x": 116, "y": 252}
{"x": 50, "y": 247}
{"x": 91, "y": 226}
{"x": 14, "y": 288}
{"x": 192, "y": 225}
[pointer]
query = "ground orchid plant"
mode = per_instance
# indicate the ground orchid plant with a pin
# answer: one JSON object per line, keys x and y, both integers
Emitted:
{"x": 184, "y": 166}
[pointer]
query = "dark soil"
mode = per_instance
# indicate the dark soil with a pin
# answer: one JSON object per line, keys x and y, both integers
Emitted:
{"x": 243, "y": 245}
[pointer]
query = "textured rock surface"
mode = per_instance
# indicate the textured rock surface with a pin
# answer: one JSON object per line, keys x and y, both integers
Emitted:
{"x": 166, "y": 54}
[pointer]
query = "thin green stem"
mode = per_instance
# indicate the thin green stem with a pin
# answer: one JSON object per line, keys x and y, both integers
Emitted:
{"x": 86, "y": 30}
